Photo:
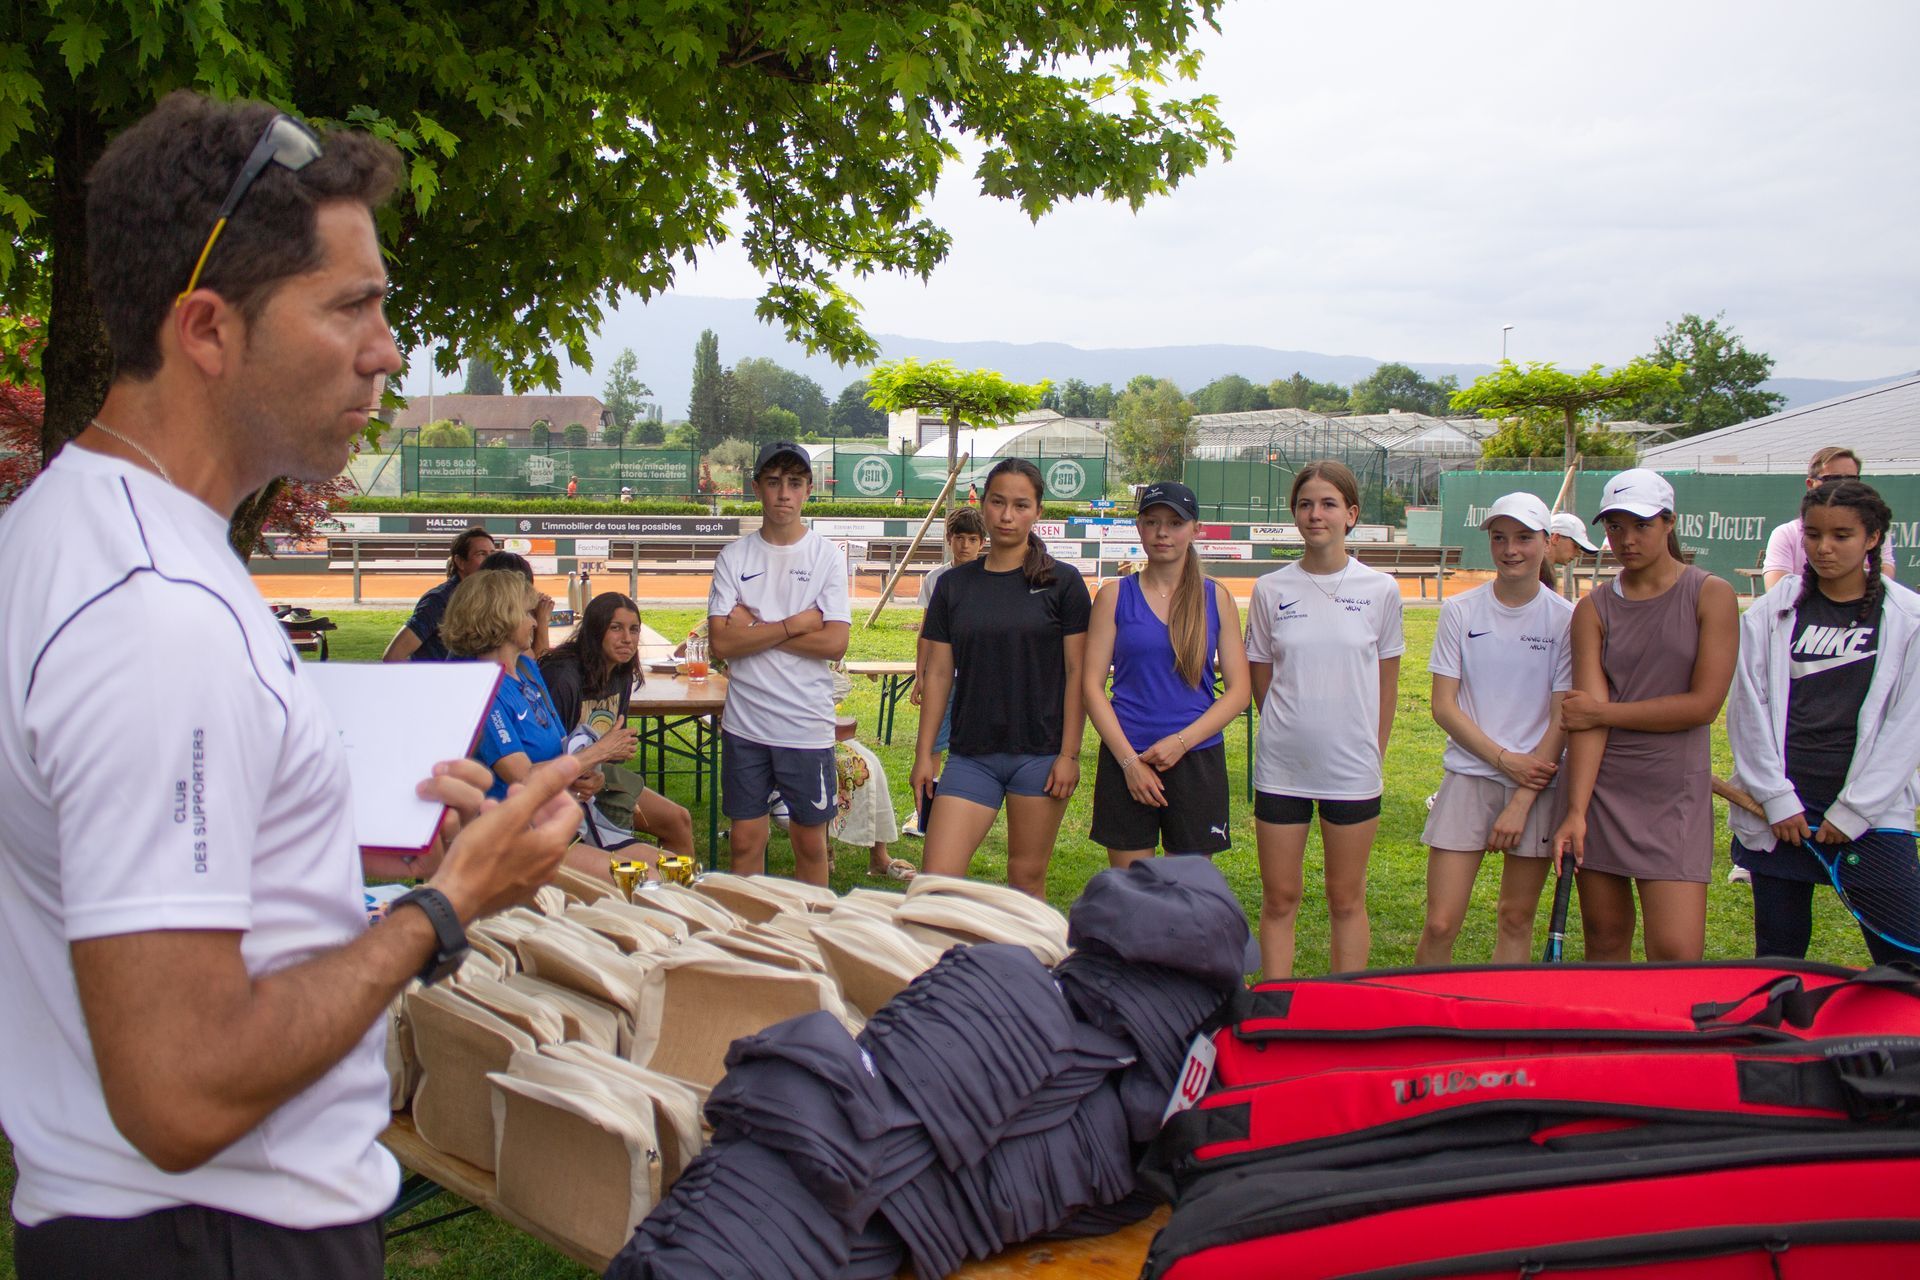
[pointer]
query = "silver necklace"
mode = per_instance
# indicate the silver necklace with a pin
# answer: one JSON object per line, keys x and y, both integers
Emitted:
{"x": 137, "y": 447}
{"x": 1337, "y": 582}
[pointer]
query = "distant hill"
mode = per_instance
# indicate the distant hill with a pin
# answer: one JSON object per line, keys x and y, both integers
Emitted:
{"x": 662, "y": 334}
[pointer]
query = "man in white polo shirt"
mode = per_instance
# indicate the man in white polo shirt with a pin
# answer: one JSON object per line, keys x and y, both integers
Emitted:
{"x": 191, "y": 1030}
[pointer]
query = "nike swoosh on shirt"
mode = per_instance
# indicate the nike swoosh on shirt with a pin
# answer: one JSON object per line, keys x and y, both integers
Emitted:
{"x": 520, "y": 715}
{"x": 1034, "y": 591}
{"x": 749, "y": 577}
{"x": 1287, "y": 604}
{"x": 1475, "y": 635}
{"x": 1814, "y": 666}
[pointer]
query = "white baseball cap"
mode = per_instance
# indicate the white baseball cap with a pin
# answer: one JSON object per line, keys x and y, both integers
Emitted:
{"x": 1638, "y": 492}
{"x": 1570, "y": 525}
{"x": 1527, "y": 508}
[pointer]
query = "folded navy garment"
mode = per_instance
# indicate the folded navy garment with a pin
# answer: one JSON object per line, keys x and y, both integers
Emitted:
{"x": 818, "y": 1044}
{"x": 1178, "y": 913}
{"x": 786, "y": 1109}
{"x": 737, "y": 1211}
{"x": 970, "y": 1041}
{"x": 1156, "y": 1010}
{"x": 877, "y": 1253}
{"x": 1095, "y": 1056}
{"x": 1104, "y": 1219}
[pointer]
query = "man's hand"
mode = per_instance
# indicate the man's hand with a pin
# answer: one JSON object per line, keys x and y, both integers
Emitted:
{"x": 515, "y": 846}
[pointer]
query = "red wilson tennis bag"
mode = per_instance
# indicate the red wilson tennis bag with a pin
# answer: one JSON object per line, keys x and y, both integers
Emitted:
{"x": 1398, "y": 1017}
{"x": 1798, "y": 1160}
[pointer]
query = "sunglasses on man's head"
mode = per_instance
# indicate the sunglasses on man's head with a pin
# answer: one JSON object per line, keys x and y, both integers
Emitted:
{"x": 285, "y": 142}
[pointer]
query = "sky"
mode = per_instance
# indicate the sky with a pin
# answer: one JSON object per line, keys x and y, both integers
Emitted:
{"x": 1411, "y": 177}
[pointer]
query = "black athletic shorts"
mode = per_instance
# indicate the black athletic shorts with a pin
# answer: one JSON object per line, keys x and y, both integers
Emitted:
{"x": 193, "y": 1242}
{"x": 1195, "y": 817}
{"x": 1297, "y": 811}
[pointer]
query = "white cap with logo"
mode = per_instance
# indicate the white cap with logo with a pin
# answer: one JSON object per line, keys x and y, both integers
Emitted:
{"x": 1570, "y": 525}
{"x": 1527, "y": 508}
{"x": 1639, "y": 492}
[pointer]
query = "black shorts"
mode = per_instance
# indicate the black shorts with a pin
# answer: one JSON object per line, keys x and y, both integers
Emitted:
{"x": 193, "y": 1242}
{"x": 1195, "y": 817}
{"x": 1297, "y": 811}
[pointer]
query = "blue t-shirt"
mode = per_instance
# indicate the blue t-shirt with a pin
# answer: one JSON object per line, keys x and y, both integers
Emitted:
{"x": 1150, "y": 698}
{"x": 522, "y": 718}
{"x": 425, "y": 622}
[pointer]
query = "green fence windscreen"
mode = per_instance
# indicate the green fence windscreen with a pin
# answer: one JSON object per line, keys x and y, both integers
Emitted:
{"x": 511, "y": 472}
{"x": 1724, "y": 518}
{"x": 852, "y": 476}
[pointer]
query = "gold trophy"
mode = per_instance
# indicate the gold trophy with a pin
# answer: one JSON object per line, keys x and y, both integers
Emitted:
{"x": 676, "y": 869}
{"x": 626, "y": 875}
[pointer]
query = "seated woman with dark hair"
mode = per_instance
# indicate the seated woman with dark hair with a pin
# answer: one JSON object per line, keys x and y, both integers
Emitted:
{"x": 492, "y": 617}
{"x": 591, "y": 676}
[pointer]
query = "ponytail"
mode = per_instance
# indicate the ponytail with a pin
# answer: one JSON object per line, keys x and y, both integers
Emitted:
{"x": 1038, "y": 566}
{"x": 1673, "y": 544}
{"x": 1546, "y": 575}
{"x": 1187, "y": 620}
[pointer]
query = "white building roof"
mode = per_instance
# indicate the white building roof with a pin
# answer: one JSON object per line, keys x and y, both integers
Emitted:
{"x": 1054, "y": 434}
{"x": 1881, "y": 424}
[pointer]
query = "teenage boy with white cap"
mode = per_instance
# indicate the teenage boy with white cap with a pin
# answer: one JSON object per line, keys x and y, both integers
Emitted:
{"x": 1567, "y": 541}
{"x": 1501, "y": 663}
{"x": 778, "y": 615}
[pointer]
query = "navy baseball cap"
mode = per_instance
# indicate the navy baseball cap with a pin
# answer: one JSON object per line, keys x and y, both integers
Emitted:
{"x": 773, "y": 449}
{"x": 1171, "y": 493}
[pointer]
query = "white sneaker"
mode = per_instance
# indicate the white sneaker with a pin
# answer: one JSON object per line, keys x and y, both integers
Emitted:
{"x": 911, "y": 827}
{"x": 1739, "y": 875}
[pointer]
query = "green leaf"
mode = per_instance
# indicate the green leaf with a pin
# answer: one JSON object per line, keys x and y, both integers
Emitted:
{"x": 81, "y": 42}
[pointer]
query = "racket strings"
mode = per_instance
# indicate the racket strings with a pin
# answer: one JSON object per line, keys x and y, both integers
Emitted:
{"x": 1878, "y": 879}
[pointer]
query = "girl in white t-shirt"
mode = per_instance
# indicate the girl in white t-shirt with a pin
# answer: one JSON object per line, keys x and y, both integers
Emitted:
{"x": 1501, "y": 664}
{"x": 1323, "y": 646}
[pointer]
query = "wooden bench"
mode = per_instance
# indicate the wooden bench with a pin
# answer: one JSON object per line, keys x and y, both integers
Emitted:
{"x": 1404, "y": 560}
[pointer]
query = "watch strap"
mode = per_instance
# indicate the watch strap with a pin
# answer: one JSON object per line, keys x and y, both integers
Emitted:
{"x": 450, "y": 938}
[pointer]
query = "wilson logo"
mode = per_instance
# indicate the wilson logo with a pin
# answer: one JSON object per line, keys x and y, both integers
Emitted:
{"x": 1441, "y": 1083}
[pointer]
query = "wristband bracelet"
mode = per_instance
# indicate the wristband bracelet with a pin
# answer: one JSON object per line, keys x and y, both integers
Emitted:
{"x": 1128, "y": 763}
{"x": 1182, "y": 739}
{"x": 783, "y": 629}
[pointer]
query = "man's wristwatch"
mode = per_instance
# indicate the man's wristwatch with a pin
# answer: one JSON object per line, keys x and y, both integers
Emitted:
{"x": 450, "y": 938}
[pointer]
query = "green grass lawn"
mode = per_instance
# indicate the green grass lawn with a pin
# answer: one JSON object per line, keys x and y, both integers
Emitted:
{"x": 479, "y": 1246}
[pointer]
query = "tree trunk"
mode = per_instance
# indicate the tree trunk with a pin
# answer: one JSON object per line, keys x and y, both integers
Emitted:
{"x": 953, "y": 451}
{"x": 1573, "y": 438}
{"x": 76, "y": 364}
{"x": 243, "y": 531}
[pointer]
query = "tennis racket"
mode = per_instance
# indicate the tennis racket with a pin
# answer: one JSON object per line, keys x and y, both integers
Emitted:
{"x": 1877, "y": 876}
{"x": 1556, "y": 948}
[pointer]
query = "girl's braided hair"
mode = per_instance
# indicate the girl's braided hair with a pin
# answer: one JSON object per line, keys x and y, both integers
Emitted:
{"x": 1875, "y": 516}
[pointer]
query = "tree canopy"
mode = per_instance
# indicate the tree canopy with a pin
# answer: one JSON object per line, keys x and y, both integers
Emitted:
{"x": 624, "y": 390}
{"x": 761, "y": 385}
{"x": 1534, "y": 397}
{"x": 1152, "y": 430}
{"x": 1720, "y": 385}
{"x": 558, "y": 163}
{"x": 1231, "y": 394}
{"x": 1302, "y": 392}
{"x": 976, "y": 397}
{"x": 853, "y": 416}
{"x": 482, "y": 379}
{"x": 1399, "y": 386}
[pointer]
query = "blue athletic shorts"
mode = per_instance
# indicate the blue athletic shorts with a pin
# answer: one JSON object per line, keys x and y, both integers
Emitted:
{"x": 987, "y": 780}
{"x": 750, "y": 772}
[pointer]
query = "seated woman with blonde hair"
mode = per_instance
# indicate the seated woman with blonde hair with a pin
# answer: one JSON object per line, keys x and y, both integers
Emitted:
{"x": 491, "y": 617}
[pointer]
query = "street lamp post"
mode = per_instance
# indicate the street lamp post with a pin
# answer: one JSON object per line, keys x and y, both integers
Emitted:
{"x": 1505, "y": 329}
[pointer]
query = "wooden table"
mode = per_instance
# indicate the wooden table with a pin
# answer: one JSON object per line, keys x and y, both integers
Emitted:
{"x": 896, "y": 681}
{"x": 680, "y": 718}
{"x": 1115, "y": 1257}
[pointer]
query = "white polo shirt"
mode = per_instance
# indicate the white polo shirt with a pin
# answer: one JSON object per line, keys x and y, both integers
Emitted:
{"x": 1325, "y": 635}
{"x": 774, "y": 698}
{"x": 163, "y": 765}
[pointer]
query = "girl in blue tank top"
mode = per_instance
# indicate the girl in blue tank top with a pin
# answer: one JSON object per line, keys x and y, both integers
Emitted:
{"x": 1169, "y": 634}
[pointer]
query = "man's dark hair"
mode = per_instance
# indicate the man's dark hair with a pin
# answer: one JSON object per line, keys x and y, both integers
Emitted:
{"x": 462, "y": 545}
{"x": 153, "y": 195}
